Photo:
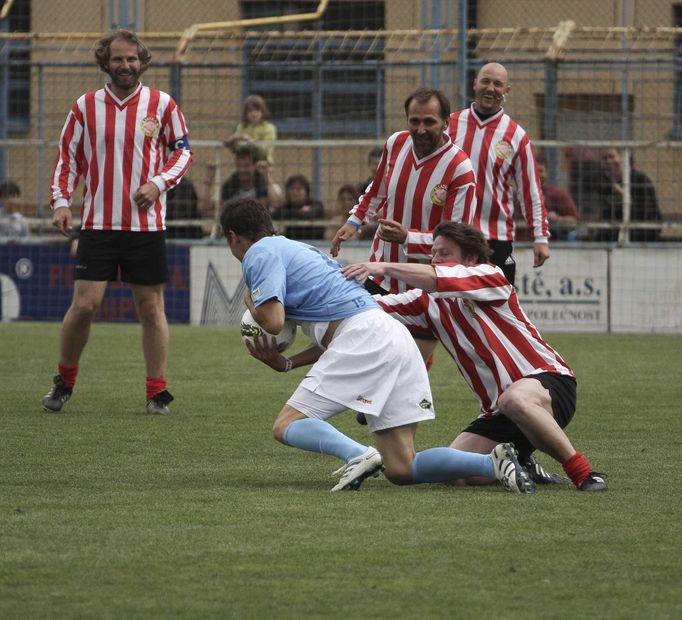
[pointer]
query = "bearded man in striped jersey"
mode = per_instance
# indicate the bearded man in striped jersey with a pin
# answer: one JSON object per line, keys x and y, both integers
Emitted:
{"x": 526, "y": 390}
{"x": 128, "y": 142}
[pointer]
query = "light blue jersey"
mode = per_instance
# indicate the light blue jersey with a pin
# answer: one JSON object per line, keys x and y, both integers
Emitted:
{"x": 308, "y": 283}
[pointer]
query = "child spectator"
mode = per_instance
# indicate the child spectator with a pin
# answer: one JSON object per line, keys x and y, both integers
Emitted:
{"x": 254, "y": 126}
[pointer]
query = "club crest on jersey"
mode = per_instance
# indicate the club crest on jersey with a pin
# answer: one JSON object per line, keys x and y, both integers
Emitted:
{"x": 438, "y": 194}
{"x": 150, "y": 126}
{"x": 504, "y": 150}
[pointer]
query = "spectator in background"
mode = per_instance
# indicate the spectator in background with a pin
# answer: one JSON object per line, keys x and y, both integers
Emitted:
{"x": 562, "y": 213}
{"x": 643, "y": 202}
{"x": 13, "y": 224}
{"x": 346, "y": 198}
{"x": 254, "y": 126}
{"x": 246, "y": 181}
{"x": 373, "y": 160}
{"x": 181, "y": 204}
{"x": 299, "y": 205}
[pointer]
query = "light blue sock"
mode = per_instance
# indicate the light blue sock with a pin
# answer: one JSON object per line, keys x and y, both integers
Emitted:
{"x": 441, "y": 464}
{"x": 318, "y": 436}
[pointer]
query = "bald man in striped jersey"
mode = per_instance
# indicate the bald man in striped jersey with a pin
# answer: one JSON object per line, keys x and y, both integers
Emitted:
{"x": 128, "y": 142}
{"x": 504, "y": 162}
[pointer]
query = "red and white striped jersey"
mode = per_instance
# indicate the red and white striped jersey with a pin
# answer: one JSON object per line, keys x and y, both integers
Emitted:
{"x": 504, "y": 162}
{"x": 476, "y": 314}
{"x": 418, "y": 193}
{"x": 117, "y": 146}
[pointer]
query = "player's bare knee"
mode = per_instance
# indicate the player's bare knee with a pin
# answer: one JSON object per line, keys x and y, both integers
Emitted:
{"x": 84, "y": 310}
{"x": 279, "y": 428}
{"x": 398, "y": 474}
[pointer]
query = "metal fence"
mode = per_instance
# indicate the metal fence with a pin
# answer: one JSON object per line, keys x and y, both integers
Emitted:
{"x": 584, "y": 75}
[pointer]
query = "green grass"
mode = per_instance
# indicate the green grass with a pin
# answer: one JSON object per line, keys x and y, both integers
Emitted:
{"x": 106, "y": 512}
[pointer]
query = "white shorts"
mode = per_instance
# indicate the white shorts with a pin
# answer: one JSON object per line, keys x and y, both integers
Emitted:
{"x": 372, "y": 365}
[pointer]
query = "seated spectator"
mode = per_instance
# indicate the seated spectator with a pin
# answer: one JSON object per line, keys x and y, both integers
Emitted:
{"x": 13, "y": 224}
{"x": 643, "y": 202}
{"x": 346, "y": 198}
{"x": 298, "y": 205}
{"x": 275, "y": 197}
{"x": 562, "y": 213}
{"x": 373, "y": 159}
{"x": 254, "y": 126}
{"x": 181, "y": 204}
{"x": 246, "y": 181}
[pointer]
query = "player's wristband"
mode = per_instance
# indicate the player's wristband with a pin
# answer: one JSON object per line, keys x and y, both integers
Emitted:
{"x": 288, "y": 365}
{"x": 355, "y": 224}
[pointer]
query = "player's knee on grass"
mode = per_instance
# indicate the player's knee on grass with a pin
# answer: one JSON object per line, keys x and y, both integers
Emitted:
{"x": 398, "y": 473}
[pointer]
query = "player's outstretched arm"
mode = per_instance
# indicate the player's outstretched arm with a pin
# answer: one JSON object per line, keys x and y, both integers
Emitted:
{"x": 361, "y": 271}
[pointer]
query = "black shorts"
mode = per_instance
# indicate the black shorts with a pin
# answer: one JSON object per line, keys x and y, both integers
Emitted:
{"x": 562, "y": 390}
{"x": 375, "y": 289}
{"x": 140, "y": 256}
{"x": 503, "y": 258}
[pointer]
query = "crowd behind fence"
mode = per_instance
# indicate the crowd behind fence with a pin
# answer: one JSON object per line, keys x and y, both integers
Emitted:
{"x": 338, "y": 163}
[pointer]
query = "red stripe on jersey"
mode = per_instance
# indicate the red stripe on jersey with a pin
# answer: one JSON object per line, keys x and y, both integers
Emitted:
{"x": 127, "y": 204}
{"x": 110, "y": 112}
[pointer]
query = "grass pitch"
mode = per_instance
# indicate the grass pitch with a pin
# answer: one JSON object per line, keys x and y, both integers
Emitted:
{"x": 106, "y": 512}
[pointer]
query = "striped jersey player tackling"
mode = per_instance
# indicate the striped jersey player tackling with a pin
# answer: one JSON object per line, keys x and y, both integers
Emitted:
{"x": 129, "y": 144}
{"x": 422, "y": 179}
{"x": 502, "y": 156}
{"x": 526, "y": 390}
{"x": 361, "y": 359}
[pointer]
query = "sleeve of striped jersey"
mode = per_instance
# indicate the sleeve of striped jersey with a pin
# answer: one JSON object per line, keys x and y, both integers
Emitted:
{"x": 410, "y": 308}
{"x": 67, "y": 169}
{"x": 180, "y": 159}
{"x": 529, "y": 193}
{"x": 484, "y": 282}
{"x": 418, "y": 244}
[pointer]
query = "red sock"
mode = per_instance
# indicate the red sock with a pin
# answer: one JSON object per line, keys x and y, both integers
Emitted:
{"x": 155, "y": 385}
{"x": 429, "y": 362}
{"x": 577, "y": 468}
{"x": 69, "y": 374}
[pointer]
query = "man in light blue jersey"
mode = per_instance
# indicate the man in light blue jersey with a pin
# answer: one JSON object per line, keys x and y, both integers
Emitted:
{"x": 361, "y": 359}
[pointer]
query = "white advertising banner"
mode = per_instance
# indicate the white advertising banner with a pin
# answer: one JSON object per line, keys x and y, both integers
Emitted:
{"x": 569, "y": 293}
{"x": 216, "y": 286}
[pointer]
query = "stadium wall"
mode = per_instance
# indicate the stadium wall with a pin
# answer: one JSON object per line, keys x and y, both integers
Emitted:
{"x": 582, "y": 288}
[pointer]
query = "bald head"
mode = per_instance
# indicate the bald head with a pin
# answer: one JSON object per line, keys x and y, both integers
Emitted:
{"x": 491, "y": 86}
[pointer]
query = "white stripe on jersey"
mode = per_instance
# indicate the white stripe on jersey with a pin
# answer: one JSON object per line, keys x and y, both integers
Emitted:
{"x": 476, "y": 315}
{"x": 117, "y": 146}
{"x": 417, "y": 193}
{"x": 502, "y": 156}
